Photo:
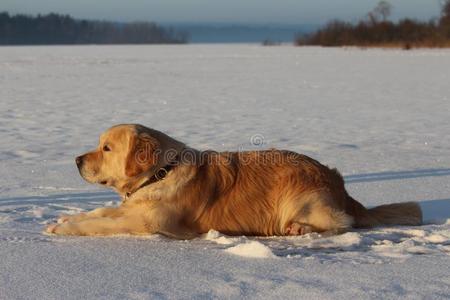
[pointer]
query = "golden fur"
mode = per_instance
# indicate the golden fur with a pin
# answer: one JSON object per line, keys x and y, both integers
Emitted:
{"x": 270, "y": 192}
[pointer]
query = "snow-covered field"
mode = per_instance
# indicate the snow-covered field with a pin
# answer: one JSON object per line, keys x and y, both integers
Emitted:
{"x": 381, "y": 116}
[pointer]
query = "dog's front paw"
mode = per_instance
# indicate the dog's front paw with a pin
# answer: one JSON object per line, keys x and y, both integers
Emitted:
{"x": 61, "y": 229}
{"x": 71, "y": 218}
{"x": 51, "y": 228}
{"x": 63, "y": 219}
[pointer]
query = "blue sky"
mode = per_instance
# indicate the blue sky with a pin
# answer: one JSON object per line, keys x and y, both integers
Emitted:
{"x": 228, "y": 11}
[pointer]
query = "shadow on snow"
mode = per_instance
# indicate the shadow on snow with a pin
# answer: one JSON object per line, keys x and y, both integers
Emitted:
{"x": 396, "y": 175}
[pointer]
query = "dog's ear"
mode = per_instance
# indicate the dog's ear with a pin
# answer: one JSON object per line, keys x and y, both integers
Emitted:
{"x": 144, "y": 154}
{"x": 169, "y": 148}
{"x": 151, "y": 150}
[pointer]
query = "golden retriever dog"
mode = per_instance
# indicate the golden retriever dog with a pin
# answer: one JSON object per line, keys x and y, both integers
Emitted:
{"x": 171, "y": 189}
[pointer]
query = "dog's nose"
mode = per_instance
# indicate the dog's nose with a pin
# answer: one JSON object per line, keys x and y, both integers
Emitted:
{"x": 79, "y": 160}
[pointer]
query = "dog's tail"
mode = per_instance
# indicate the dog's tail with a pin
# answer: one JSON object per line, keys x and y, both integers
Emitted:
{"x": 408, "y": 213}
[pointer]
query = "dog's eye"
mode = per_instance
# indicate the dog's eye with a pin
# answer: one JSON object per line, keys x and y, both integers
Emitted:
{"x": 106, "y": 148}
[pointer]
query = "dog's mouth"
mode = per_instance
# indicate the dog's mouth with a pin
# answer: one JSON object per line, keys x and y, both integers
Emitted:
{"x": 106, "y": 182}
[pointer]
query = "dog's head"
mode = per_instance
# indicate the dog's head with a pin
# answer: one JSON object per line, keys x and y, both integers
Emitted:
{"x": 126, "y": 155}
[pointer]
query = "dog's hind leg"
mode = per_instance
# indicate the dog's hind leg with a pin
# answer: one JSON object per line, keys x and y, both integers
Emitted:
{"x": 313, "y": 212}
{"x": 298, "y": 229}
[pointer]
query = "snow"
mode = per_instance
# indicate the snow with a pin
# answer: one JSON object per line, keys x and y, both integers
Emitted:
{"x": 380, "y": 116}
{"x": 253, "y": 249}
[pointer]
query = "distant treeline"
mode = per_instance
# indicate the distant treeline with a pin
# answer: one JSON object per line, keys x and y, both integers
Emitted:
{"x": 55, "y": 29}
{"x": 377, "y": 30}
